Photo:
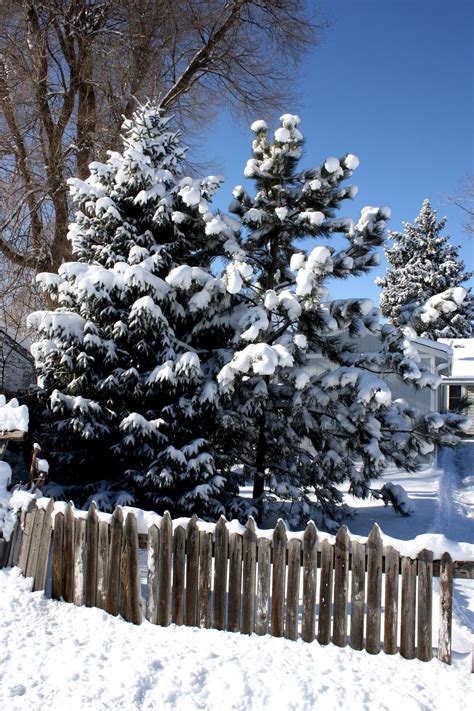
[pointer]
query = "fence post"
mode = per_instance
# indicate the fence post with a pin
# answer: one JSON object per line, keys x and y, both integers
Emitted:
{"x": 235, "y": 581}
{"x": 192, "y": 573}
{"x": 310, "y": 552}
{"x": 341, "y": 580}
{"x": 357, "y": 595}
{"x": 325, "y": 593}
{"x": 79, "y": 560}
{"x": 392, "y": 571}
{"x": 278, "y": 578}
{"x": 58, "y": 543}
{"x": 425, "y": 605}
{"x": 374, "y": 590}
{"x": 293, "y": 589}
{"x": 113, "y": 583}
{"x": 92, "y": 534}
{"x": 205, "y": 564}
{"x": 41, "y": 569}
{"x": 68, "y": 555}
{"x": 179, "y": 566}
{"x": 264, "y": 551}
{"x": 445, "y": 608}
{"x": 130, "y": 573}
{"x": 249, "y": 576}
{"x": 164, "y": 573}
{"x": 221, "y": 544}
{"x": 102, "y": 563}
{"x": 407, "y": 631}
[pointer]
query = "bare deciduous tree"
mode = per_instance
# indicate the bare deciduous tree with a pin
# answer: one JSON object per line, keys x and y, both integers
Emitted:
{"x": 71, "y": 69}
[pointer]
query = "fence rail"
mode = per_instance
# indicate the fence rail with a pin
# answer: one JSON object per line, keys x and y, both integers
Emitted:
{"x": 364, "y": 595}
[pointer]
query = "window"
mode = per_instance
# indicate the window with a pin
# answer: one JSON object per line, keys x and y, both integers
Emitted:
{"x": 454, "y": 396}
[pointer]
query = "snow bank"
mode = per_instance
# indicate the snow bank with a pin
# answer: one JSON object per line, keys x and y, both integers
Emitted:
{"x": 13, "y": 416}
{"x": 57, "y": 656}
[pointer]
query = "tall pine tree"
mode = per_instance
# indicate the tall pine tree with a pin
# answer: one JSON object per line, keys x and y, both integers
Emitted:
{"x": 128, "y": 358}
{"x": 422, "y": 287}
{"x": 316, "y": 411}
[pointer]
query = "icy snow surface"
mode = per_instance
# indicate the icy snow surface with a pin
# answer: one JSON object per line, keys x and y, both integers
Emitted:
{"x": 57, "y": 656}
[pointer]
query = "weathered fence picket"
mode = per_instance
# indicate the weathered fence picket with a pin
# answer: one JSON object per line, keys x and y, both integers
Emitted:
{"x": 238, "y": 580}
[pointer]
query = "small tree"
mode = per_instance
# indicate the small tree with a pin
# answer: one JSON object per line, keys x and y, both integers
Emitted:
{"x": 422, "y": 287}
{"x": 310, "y": 427}
{"x": 128, "y": 358}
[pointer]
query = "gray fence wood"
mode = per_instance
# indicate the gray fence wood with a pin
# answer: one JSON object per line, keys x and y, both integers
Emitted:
{"x": 68, "y": 555}
{"x": 130, "y": 607}
{"x": 235, "y": 582}
{"x": 425, "y": 605}
{"x": 205, "y": 570}
{"x": 221, "y": 545}
{"x": 249, "y": 574}
{"x": 15, "y": 543}
{"x": 102, "y": 563}
{"x": 310, "y": 567}
{"x": 357, "y": 595}
{"x": 278, "y": 579}
{"x": 58, "y": 545}
{"x": 445, "y": 608}
{"x": 392, "y": 567}
{"x": 293, "y": 589}
{"x": 41, "y": 570}
{"x": 264, "y": 549}
{"x": 35, "y": 543}
{"x": 92, "y": 535}
{"x": 374, "y": 590}
{"x": 115, "y": 551}
{"x": 341, "y": 583}
{"x": 79, "y": 560}
{"x": 165, "y": 570}
{"x": 192, "y": 574}
{"x": 152, "y": 574}
{"x": 325, "y": 593}
{"x": 26, "y": 540}
{"x": 407, "y": 629}
{"x": 179, "y": 567}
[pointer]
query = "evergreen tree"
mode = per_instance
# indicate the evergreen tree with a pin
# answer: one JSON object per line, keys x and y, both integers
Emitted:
{"x": 310, "y": 428}
{"x": 128, "y": 358}
{"x": 423, "y": 288}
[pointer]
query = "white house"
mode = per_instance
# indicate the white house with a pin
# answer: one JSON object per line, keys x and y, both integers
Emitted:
{"x": 459, "y": 382}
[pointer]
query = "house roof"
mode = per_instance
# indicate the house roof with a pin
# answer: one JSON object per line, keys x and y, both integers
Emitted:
{"x": 463, "y": 358}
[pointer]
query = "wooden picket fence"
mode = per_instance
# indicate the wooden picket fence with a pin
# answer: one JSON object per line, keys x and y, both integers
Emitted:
{"x": 284, "y": 586}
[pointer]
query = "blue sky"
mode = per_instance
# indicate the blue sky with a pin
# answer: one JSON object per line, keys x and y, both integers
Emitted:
{"x": 393, "y": 83}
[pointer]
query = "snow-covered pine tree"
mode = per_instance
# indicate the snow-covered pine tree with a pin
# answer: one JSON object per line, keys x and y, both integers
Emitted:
{"x": 423, "y": 287}
{"x": 128, "y": 358}
{"x": 310, "y": 427}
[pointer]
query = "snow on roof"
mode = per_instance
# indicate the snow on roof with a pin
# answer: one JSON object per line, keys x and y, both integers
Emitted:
{"x": 13, "y": 416}
{"x": 463, "y": 356}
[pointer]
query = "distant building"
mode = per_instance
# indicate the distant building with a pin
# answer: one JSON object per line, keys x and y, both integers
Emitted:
{"x": 459, "y": 382}
{"x": 434, "y": 354}
{"x": 17, "y": 370}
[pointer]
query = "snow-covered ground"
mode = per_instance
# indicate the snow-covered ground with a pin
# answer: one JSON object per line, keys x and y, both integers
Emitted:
{"x": 57, "y": 656}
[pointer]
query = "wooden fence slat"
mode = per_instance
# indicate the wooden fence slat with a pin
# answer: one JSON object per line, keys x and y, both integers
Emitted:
{"x": 279, "y": 578}
{"x": 41, "y": 570}
{"x": 374, "y": 590}
{"x": 293, "y": 589}
{"x": 392, "y": 568}
{"x": 68, "y": 555}
{"x": 102, "y": 563}
{"x": 179, "y": 566}
{"x": 34, "y": 545}
{"x": 192, "y": 574}
{"x": 357, "y": 595}
{"x": 164, "y": 571}
{"x": 14, "y": 545}
{"x": 152, "y": 574}
{"x": 325, "y": 593}
{"x": 221, "y": 546}
{"x": 115, "y": 550}
{"x": 235, "y": 582}
{"x": 205, "y": 568}
{"x": 92, "y": 536}
{"x": 131, "y": 608}
{"x": 58, "y": 542}
{"x": 445, "y": 608}
{"x": 264, "y": 549}
{"x": 310, "y": 563}
{"x": 407, "y": 617}
{"x": 79, "y": 560}
{"x": 26, "y": 539}
{"x": 249, "y": 574}
{"x": 425, "y": 606}
{"x": 341, "y": 583}
{"x": 4, "y": 551}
